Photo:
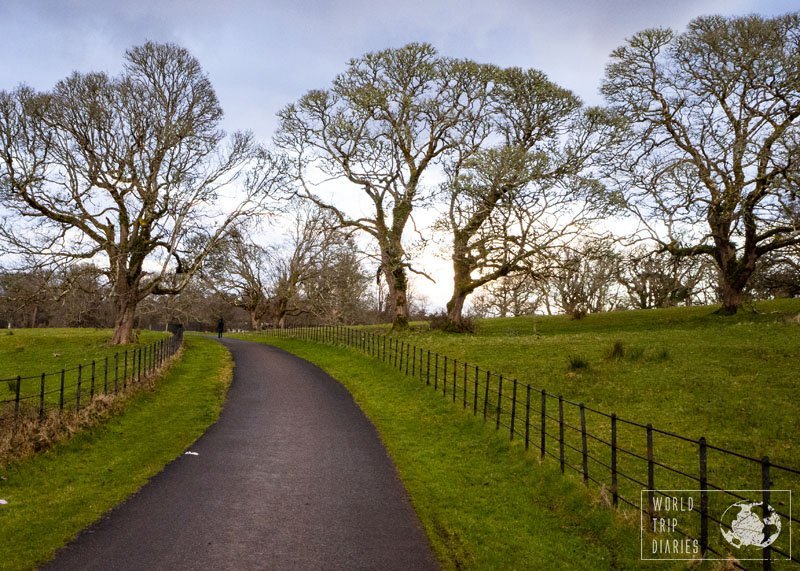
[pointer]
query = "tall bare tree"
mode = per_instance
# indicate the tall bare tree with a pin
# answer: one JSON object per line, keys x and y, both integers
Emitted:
{"x": 711, "y": 162}
{"x": 297, "y": 261}
{"x": 385, "y": 122}
{"x": 125, "y": 169}
{"x": 239, "y": 270}
{"x": 521, "y": 193}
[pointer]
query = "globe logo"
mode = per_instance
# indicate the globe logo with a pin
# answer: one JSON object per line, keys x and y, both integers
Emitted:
{"x": 747, "y": 528}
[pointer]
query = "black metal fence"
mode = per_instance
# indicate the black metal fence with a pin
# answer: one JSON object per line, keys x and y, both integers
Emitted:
{"x": 681, "y": 486}
{"x": 75, "y": 387}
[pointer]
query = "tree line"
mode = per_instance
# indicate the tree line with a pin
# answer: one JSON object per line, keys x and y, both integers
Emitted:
{"x": 697, "y": 143}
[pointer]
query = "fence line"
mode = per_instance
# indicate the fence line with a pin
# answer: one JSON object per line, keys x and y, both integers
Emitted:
{"x": 109, "y": 375}
{"x": 627, "y": 459}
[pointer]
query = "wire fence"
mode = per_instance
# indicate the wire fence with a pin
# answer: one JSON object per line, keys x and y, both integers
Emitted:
{"x": 681, "y": 486}
{"x": 75, "y": 387}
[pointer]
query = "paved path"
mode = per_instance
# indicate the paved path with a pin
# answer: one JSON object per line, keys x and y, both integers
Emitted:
{"x": 292, "y": 476}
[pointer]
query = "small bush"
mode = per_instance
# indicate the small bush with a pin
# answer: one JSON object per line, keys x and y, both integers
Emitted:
{"x": 635, "y": 353}
{"x": 440, "y": 322}
{"x": 662, "y": 355}
{"x": 577, "y": 362}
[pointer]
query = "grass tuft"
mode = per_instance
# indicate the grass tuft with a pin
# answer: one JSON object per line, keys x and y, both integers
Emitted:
{"x": 577, "y": 363}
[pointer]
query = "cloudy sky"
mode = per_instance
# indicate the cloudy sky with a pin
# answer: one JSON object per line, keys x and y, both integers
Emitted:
{"x": 262, "y": 55}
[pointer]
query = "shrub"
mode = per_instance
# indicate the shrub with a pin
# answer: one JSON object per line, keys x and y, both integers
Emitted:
{"x": 617, "y": 351}
{"x": 441, "y": 322}
{"x": 577, "y": 362}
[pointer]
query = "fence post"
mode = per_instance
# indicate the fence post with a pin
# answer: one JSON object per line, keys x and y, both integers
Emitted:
{"x": 444, "y": 378}
{"x": 414, "y": 363}
{"x": 428, "y": 370}
{"x": 436, "y": 374}
{"x": 703, "y": 497}
{"x": 499, "y": 403}
{"x": 105, "y": 375}
{"x": 116, "y": 372}
{"x": 614, "y": 484}
{"x": 41, "y": 398}
{"x": 408, "y": 349}
{"x": 16, "y": 396}
{"x": 543, "y": 443}
{"x": 651, "y": 486}
{"x": 61, "y": 394}
{"x": 455, "y": 379}
{"x": 91, "y": 384}
{"x": 78, "y": 395}
{"x": 125, "y": 372}
{"x": 486, "y": 394}
{"x": 513, "y": 408}
{"x": 584, "y": 446}
{"x": 465, "y": 386}
{"x": 527, "y": 416}
{"x": 766, "y": 486}
{"x": 561, "y": 451}
{"x": 475, "y": 394}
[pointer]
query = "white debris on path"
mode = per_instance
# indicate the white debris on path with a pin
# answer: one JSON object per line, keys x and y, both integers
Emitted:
{"x": 191, "y": 454}
{"x": 3, "y": 502}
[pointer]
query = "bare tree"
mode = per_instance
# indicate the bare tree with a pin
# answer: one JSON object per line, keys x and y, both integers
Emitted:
{"x": 659, "y": 279}
{"x": 124, "y": 169}
{"x": 711, "y": 162}
{"x": 383, "y": 125}
{"x": 238, "y": 269}
{"x": 314, "y": 235}
{"x": 510, "y": 296}
{"x": 521, "y": 194}
{"x": 585, "y": 278}
{"x": 336, "y": 292}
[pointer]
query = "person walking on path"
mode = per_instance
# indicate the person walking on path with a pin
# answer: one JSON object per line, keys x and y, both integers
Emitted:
{"x": 220, "y": 327}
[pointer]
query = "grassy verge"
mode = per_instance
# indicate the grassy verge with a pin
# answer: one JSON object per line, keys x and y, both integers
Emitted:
{"x": 485, "y": 503}
{"x": 31, "y": 352}
{"x": 51, "y": 497}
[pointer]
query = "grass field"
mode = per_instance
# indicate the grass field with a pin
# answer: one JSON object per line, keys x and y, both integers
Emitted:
{"x": 54, "y": 495}
{"x": 733, "y": 380}
{"x": 30, "y": 352}
{"x": 686, "y": 370}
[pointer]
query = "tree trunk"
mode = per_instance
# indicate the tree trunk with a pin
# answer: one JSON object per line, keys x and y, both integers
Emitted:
{"x": 398, "y": 291}
{"x": 400, "y": 302}
{"x": 282, "y": 320}
{"x": 732, "y": 298}
{"x": 123, "y": 323}
{"x": 254, "y": 324}
{"x": 455, "y": 307}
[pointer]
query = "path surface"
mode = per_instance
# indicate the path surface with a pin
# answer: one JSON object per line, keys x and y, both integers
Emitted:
{"x": 292, "y": 476}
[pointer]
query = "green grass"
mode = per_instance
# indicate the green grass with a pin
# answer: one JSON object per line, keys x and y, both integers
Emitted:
{"x": 52, "y": 496}
{"x": 485, "y": 503}
{"x": 31, "y": 352}
{"x": 732, "y": 380}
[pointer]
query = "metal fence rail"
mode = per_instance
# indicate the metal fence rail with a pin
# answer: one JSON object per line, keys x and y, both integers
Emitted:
{"x": 634, "y": 464}
{"x": 75, "y": 387}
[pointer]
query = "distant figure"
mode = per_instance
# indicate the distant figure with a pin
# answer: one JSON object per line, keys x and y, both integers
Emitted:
{"x": 220, "y": 327}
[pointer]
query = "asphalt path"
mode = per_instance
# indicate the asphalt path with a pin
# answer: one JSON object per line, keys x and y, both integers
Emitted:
{"x": 292, "y": 476}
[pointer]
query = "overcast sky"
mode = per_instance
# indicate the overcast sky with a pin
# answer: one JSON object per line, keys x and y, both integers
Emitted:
{"x": 262, "y": 55}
